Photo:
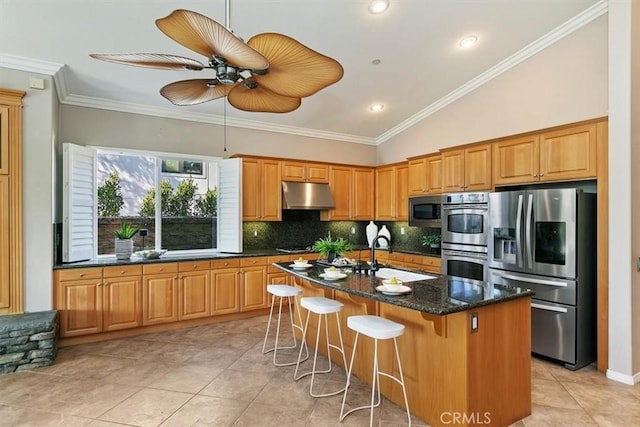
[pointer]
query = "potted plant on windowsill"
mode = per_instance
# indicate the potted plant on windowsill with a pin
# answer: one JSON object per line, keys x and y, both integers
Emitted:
{"x": 124, "y": 240}
{"x": 431, "y": 240}
{"x": 329, "y": 248}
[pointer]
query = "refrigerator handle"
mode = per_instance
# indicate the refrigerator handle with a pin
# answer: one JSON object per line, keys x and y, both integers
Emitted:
{"x": 549, "y": 307}
{"x": 519, "y": 253}
{"x": 527, "y": 232}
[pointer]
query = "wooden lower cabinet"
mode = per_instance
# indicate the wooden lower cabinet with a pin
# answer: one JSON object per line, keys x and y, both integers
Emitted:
{"x": 90, "y": 301}
{"x": 5, "y": 253}
{"x": 160, "y": 293}
{"x": 122, "y": 297}
{"x": 432, "y": 264}
{"x": 253, "y": 284}
{"x": 225, "y": 291}
{"x": 194, "y": 290}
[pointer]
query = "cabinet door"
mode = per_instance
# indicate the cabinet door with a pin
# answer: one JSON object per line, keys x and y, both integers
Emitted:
{"x": 568, "y": 154}
{"x": 254, "y": 288}
{"x": 417, "y": 177}
{"x": 453, "y": 170}
{"x": 340, "y": 181}
{"x": 386, "y": 194}
{"x": 4, "y": 243}
{"x": 122, "y": 303}
{"x": 251, "y": 190}
{"x": 516, "y": 161}
{"x": 434, "y": 174}
{"x": 194, "y": 295}
{"x": 402, "y": 193}
{"x": 317, "y": 173}
{"x": 271, "y": 190}
{"x": 362, "y": 206}
{"x": 160, "y": 298}
{"x": 4, "y": 141}
{"x": 79, "y": 303}
{"x": 293, "y": 171}
{"x": 225, "y": 291}
{"x": 477, "y": 164}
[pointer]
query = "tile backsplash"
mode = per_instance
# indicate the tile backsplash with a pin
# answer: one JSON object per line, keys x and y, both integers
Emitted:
{"x": 301, "y": 228}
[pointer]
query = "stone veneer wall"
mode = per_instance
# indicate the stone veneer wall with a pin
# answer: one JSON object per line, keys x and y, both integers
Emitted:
{"x": 28, "y": 340}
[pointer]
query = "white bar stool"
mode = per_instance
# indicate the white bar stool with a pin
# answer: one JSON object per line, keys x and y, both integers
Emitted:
{"x": 322, "y": 307}
{"x": 282, "y": 292}
{"x": 377, "y": 328}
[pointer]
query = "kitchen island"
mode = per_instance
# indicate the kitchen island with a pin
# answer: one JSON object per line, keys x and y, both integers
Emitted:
{"x": 465, "y": 353}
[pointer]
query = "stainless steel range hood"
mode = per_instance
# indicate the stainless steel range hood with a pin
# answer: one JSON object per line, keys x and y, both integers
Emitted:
{"x": 306, "y": 195}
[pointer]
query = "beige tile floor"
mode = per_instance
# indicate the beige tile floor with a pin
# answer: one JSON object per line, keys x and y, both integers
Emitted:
{"x": 216, "y": 375}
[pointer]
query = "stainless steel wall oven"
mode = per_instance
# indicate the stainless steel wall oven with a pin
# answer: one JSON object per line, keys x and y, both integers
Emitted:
{"x": 464, "y": 235}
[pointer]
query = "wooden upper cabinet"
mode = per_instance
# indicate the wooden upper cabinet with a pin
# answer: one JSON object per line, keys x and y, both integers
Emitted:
{"x": 261, "y": 190}
{"x": 363, "y": 192}
{"x": 467, "y": 169}
{"x": 305, "y": 172}
{"x": 434, "y": 174}
{"x": 551, "y": 156}
{"x": 417, "y": 177}
{"x": 392, "y": 193}
{"x": 353, "y": 191}
{"x": 516, "y": 160}
{"x": 568, "y": 153}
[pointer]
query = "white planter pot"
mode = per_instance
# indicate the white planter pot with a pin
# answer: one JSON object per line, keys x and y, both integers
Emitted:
{"x": 124, "y": 248}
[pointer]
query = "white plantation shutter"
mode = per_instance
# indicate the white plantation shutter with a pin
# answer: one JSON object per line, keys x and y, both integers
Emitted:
{"x": 230, "y": 206}
{"x": 80, "y": 219}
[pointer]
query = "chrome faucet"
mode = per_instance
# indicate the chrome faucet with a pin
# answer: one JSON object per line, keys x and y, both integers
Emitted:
{"x": 374, "y": 263}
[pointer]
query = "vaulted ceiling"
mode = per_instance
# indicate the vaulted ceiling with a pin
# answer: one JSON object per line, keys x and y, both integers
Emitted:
{"x": 407, "y": 59}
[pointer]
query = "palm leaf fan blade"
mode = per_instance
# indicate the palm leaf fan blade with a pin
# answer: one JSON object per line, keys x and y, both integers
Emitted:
{"x": 260, "y": 99}
{"x": 207, "y": 37}
{"x": 192, "y": 92}
{"x": 150, "y": 60}
{"x": 295, "y": 70}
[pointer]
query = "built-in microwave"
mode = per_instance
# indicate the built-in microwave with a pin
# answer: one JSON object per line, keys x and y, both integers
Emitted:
{"x": 425, "y": 211}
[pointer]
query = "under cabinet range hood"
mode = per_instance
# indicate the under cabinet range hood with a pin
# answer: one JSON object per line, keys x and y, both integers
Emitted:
{"x": 306, "y": 195}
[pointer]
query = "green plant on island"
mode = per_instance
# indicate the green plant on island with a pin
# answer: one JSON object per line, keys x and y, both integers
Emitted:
{"x": 126, "y": 231}
{"x": 431, "y": 240}
{"x": 326, "y": 245}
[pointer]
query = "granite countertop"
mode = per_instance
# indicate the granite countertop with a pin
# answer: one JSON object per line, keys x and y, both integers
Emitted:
{"x": 112, "y": 261}
{"x": 441, "y": 295}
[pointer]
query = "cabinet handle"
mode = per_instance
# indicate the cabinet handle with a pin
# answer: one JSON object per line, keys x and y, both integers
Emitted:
{"x": 541, "y": 174}
{"x": 99, "y": 284}
{"x": 535, "y": 175}
{"x": 195, "y": 266}
{"x": 81, "y": 274}
{"x": 122, "y": 272}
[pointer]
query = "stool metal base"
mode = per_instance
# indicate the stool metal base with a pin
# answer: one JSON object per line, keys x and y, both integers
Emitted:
{"x": 313, "y": 371}
{"x": 375, "y": 382}
{"x": 294, "y": 326}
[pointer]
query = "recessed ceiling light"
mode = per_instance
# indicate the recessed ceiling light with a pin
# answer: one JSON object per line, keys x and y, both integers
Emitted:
{"x": 468, "y": 42}
{"x": 376, "y": 107}
{"x": 378, "y": 6}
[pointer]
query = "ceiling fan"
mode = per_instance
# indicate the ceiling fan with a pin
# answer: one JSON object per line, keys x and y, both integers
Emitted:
{"x": 270, "y": 73}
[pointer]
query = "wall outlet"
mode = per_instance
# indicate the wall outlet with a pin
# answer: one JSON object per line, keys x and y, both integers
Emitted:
{"x": 402, "y": 230}
{"x": 353, "y": 230}
{"x": 255, "y": 233}
{"x": 474, "y": 322}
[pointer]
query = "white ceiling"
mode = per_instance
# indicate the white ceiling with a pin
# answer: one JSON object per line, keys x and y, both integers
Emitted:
{"x": 422, "y": 68}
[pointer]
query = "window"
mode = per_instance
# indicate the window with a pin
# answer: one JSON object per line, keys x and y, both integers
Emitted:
{"x": 178, "y": 202}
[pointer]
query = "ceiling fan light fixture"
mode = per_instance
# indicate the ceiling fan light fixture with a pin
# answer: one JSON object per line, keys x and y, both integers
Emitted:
{"x": 376, "y": 107}
{"x": 376, "y": 7}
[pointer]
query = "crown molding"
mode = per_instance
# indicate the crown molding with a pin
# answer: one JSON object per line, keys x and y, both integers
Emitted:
{"x": 31, "y": 65}
{"x": 523, "y": 54}
{"x": 171, "y": 113}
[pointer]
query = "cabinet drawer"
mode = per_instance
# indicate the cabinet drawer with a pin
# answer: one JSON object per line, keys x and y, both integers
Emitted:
{"x": 225, "y": 263}
{"x": 194, "y": 266}
{"x": 413, "y": 259}
{"x": 282, "y": 258}
{"x": 396, "y": 257}
{"x": 79, "y": 273}
{"x": 123, "y": 270}
{"x": 253, "y": 261}
{"x": 169, "y": 267}
{"x": 430, "y": 261}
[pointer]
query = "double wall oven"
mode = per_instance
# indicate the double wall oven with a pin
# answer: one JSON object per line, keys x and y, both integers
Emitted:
{"x": 465, "y": 219}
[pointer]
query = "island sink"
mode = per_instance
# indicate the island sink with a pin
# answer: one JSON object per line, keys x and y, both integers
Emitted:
{"x": 405, "y": 276}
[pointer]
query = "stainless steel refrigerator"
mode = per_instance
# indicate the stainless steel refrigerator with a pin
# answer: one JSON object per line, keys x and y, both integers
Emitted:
{"x": 545, "y": 240}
